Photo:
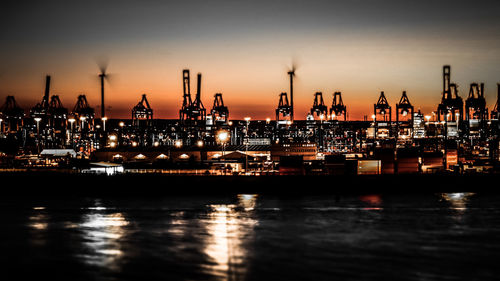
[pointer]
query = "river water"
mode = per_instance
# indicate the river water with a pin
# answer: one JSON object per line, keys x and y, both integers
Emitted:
{"x": 452, "y": 236}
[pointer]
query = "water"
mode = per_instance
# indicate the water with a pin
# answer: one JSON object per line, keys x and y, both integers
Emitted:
{"x": 454, "y": 236}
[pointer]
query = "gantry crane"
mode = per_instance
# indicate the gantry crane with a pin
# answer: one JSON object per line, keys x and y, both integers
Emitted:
{"x": 191, "y": 110}
{"x": 319, "y": 108}
{"x": 338, "y": 108}
{"x": 284, "y": 110}
{"x": 40, "y": 110}
{"x": 476, "y": 113}
{"x": 12, "y": 115}
{"x": 451, "y": 106}
{"x": 142, "y": 111}
{"x": 382, "y": 116}
{"x": 58, "y": 114}
{"x": 219, "y": 111}
{"x": 404, "y": 116}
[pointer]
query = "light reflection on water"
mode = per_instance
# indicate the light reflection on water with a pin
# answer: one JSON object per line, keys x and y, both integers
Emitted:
{"x": 458, "y": 201}
{"x": 373, "y": 201}
{"x": 230, "y": 228}
{"x": 38, "y": 220}
{"x": 177, "y": 225}
{"x": 215, "y": 238}
{"x": 102, "y": 231}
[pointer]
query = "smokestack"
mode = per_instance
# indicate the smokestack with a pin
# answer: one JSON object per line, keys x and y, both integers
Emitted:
{"x": 481, "y": 94}
{"x": 47, "y": 92}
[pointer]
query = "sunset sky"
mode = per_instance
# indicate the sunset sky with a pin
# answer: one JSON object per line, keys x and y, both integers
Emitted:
{"x": 244, "y": 48}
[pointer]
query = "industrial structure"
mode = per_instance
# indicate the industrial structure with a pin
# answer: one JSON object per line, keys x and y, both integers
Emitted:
{"x": 57, "y": 113}
{"x": 291, "y": 73}
{"x": 103, "y": 75}
{"x": 404, "y": 117}
{"x": 458, "y": 136}
{"x": 495, "y": 112}
{"x": 476, "y": 112}
{"x": 219, "y": 112}
{"x": 382, "y": 117}
{"x": 319, "y": 108}
{"x": 192, "y": 110}
{"x": 12, "y": 115}
{"x": 284, "y": 109}
{"x": 142, "y": 112}
{"x": 338, "y": 108}
{"x": 450, "y": 110}
{"x": 40, "y": 110}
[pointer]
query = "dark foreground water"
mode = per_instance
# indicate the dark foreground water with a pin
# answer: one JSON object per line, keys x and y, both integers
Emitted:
{"x": 452, "y": 236}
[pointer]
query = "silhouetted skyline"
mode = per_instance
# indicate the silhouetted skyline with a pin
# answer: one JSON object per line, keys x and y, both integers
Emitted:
{"x": 244, "y": 49}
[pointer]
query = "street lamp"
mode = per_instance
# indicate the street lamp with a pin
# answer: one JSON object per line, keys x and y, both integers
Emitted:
{"x": 38, "y": 119}
{"x": 178, "y": 143}
{"x": 82, "y": 124}
{"x": 71, "y": 121}
{"x": 120, "y": 141}
{"x": 223, "y": 136}
{"x": 321, "y": 117}
{"x": 104, "y": 119}
{"x": 246, "y": 143}
{"x": 199, "y": 143}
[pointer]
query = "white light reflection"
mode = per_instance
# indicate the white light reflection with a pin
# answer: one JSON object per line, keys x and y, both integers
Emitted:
{"x": 247, "y": 201}
{"x": 458, "y": 201}
{"x": 177, "y": 225}
{"x": 230, "y": 229}
{"x": 39, "y": 220}
{"x": 38, "y": 223}
{"x": 102, "y": 232}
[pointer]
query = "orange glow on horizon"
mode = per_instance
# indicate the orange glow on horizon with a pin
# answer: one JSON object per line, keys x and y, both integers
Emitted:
{"x": 248, "y": 88}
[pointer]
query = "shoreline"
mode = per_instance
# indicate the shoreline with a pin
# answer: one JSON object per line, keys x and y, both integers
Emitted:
{"x": 69, "y": 184}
